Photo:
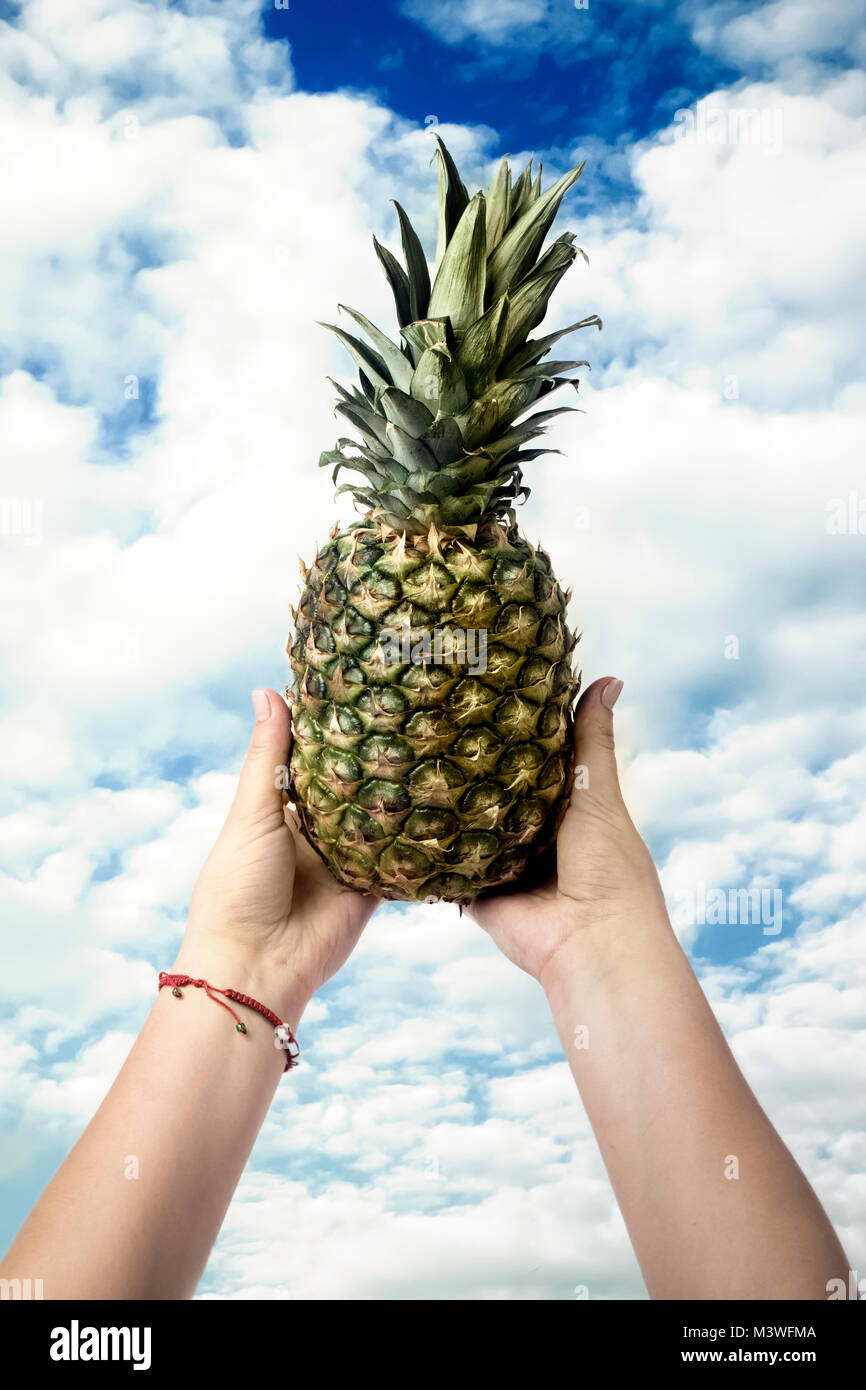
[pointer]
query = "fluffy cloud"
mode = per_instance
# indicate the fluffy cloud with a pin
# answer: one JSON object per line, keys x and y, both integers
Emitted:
{"x": 495, "y": 24}
{"x": 747, "y": 35}
{"x": 186, "y": 241}
{"x": 775, "y": 33}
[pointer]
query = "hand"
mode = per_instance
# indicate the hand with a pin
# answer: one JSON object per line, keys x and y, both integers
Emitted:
{"x": 266, "y": 913}
{"x": 604, "y": 872}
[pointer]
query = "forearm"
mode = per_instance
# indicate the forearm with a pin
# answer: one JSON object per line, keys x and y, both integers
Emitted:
{"x": 714, "y": 1203}
{"x": 134, "y": 1210}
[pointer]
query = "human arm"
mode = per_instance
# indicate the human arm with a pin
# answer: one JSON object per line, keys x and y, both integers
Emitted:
{"x": 137, "y": 1204}
{"x": 715, "y": 1205}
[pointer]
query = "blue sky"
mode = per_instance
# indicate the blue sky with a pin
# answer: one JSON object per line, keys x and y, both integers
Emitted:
{"x": 191, "y": 187}
{"x": 608, "y": 69}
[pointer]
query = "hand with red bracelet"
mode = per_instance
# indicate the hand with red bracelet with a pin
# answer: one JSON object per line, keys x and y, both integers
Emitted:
{"x": 267, "y": 923}
{"x": 265, "y": 913}
{"x": 661, "y": 1088}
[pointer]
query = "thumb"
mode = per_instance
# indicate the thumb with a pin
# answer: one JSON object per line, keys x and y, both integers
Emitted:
{"x": 594, "y": 754}
{"x": 260, "y": 788}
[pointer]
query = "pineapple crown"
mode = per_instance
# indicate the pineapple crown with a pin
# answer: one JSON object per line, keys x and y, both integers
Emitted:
{"x": 437, "y": 413}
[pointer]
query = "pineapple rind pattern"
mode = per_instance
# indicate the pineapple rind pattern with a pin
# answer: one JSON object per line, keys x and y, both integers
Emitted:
{"x": 430, "y": 781}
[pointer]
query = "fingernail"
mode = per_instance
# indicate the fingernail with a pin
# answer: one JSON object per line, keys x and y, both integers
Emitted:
{"x": 610, "y": 694}
{"x": 261, "y": 705}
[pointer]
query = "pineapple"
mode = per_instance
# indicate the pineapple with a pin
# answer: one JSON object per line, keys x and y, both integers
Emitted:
{"x": 432, "y": 662}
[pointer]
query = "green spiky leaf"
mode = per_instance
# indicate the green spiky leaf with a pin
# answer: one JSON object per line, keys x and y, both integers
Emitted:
{"x": 416, "y": 266}
{"x": 371, "y": 363}
{"x": 399, "y": 282}
{"x": 542, "y": 370}
{"x": 403, "y": 410}
{"x": 444, "y": 440}
{"x": 439, "y": 382}
{"x": 480, "y": 351}
{"x": 368, "y": 421}
{"x": 458, "y": 290}
{"x": 445, "y": 417}
{"x": 399, "y": 366}
{"x": 529, "y": 301}
{"x": 410, "y": 452}
{"x": 521, "y": 194}
{"x": 453, "y": 198}
{"x": 496, "y": 409}
{"x": 424, "y": 334}
{"x": 519, "y": 248}
{"x": 536, "y": 348}
{"x": 498, "y": 206}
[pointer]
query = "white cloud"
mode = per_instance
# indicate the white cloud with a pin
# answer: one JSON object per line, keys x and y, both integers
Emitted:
{"x": 736, "y": 276}
{"x": 775, "y": 32}
{"x": 208, "y": 56}
{"x": 433, "y": 1144}
{"x": 454, "y": 21}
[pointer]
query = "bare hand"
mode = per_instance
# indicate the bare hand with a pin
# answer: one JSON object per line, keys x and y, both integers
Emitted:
{"x": 265, "y": 906}
{"x": 604, "y": 872}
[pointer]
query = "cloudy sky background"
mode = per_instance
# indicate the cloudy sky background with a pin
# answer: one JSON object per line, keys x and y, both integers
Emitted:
{"x": 187, "y": 188}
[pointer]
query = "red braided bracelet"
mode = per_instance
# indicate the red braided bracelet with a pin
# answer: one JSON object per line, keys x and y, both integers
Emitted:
{"x": 284, "y": 1038}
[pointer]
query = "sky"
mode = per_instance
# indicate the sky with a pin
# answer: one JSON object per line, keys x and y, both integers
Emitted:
{"x": 188, "y": 189}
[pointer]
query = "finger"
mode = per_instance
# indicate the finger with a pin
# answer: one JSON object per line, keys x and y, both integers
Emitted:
{"x": 263, "y": 776}
{"x": 595, "y": 768}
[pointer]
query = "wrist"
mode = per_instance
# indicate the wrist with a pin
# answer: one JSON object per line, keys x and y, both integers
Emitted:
{"x": 232, "y": 966}
{"x": 605, "y": 950}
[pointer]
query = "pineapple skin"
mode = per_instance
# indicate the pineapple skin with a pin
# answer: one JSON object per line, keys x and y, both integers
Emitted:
{"x": 430, "y": 782}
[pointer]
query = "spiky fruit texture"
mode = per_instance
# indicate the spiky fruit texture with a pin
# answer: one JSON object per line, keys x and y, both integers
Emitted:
{"x": 425, "y": 780}
{"x": 437, "y": 774}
